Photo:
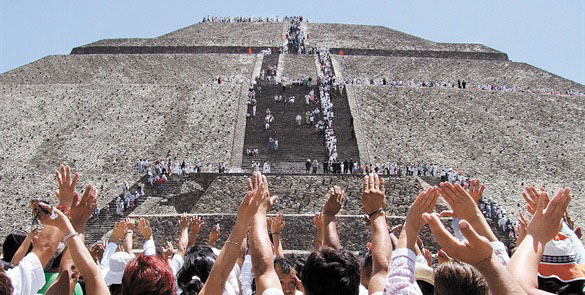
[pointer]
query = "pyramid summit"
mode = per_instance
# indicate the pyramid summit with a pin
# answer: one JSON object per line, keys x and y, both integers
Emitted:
{"x": 204, "y": 94}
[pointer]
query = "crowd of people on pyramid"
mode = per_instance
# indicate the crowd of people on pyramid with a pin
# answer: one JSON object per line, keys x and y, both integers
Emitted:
{"x": 325, "y": 83}
{"x": 269, "y": 73}
{"x": 296, "y": 36}
{"x": 247, "y": 19}
{"x": 460, "y": 84}
{"x": 161, "y": 168}
{"x": 548, "y": 255}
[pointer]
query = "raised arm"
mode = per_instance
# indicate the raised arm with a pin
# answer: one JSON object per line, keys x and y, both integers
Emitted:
{"x": 146, "y": 232}
{"x": 374, "y": 204}
{"x": 260, "y": 246}
{"x": 128, "y": 235}
{"x": 231, "y": 249}
{"x": 277, "y": 227}
{"x": 477, "y": 251}
{"x": 21, "y": 251}
{"x": 464, "y": 206}
{"x": 79, "y": 253}
{"x": 400, "y": 278}
{"x": 544, "y": 226}
{"x": 318, "y": 222}
{"x": 213, "y": 235}
{"x": 183, "y": 239}
{"x": 79, "y": 213}
{"x": 197, "y": 224}
{"x": 330, "y": 209}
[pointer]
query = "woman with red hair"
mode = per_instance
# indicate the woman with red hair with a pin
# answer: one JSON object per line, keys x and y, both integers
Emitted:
{"x": 148, "y": 275}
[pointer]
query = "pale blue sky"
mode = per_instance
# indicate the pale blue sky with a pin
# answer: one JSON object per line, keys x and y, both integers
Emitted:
{"x": 546, "y": 34}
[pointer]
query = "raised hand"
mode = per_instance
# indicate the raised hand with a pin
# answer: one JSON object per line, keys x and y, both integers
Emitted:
{"x": 144, "y": 228}
{"x": 428, "y": 256}
{"x": 465, "y": 207}
{"x": 531, "y": 195}
{"x": 81, "y": 210}
{"x": 52, "y": 216}
{"x": 547, "y": 219}
{"x": 214, "y": 235}
{"x": 523, "y": 221}
{"x": 66, "y": 185}
{"x": 319, "y": 230}
{"x": 257, "y": 196}
{"x": 334, "y": 202}
{"x": 474, "y": 189}
{"x": 475, "y": 250}
{"x": 168, "y": 250}
{"x": 197, "y": 224}
{"x": 118, "y": 232}
{"x": 97, "y": 250}
{"x": 183, "y": 222}
{"x": 462, "y": 203}
{"x": 373, "y": 194}
{"x": 277, "y": 223}
{"x": 424, "y": 203}
{"x": 130, "y": 223}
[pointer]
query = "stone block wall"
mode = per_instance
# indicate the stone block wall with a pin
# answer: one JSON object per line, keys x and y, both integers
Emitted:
{"x": 232, "y": 34}
{"x": 165, "y": 69}
{"x": 306, "y": 194}
{"x": 474, "y": 72}
{"x": 508, "y": 140}
{"x": 102, "y": 132}
{"x": 298, "y": 234}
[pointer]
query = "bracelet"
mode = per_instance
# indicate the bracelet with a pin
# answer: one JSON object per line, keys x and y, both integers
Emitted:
{"x": 375, "y": 212}
{"x": 129, "y": 231}
{"x": 70, "y": 235}
{"x": 232, "y": 242}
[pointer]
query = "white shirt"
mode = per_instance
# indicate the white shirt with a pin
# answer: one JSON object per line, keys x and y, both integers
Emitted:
{"x": 105, "y": 262}
{"x": 28, "y": 277}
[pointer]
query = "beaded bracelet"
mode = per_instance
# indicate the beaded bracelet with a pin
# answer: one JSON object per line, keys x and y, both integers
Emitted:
{"x": 70, "y": 235}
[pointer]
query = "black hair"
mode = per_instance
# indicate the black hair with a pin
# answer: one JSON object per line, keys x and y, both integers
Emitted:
{"x": 11, "y": 244}
{"x": 330, "y": 271}
{"x": 196, "y": 268}
{"x": 555, "y": 286}
{"x": 367, "y": 263}
{"x": 284, "y": 265}
{"x": 425, "y": 287}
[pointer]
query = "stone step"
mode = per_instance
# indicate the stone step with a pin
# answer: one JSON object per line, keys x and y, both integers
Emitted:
{"x": 306, "y": 193}
{"x": 298, "y": 234}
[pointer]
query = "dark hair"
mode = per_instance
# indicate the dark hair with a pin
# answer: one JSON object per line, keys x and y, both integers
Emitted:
{"x": 284, "y": 265}
{"x": 148, "y": 275}
{"x": 5, "y": 283}
{"x": 196, "y": 268}
{"x": 11, "y": 244}
{"x": 555, "y": 286}
{"x": 330, "y": 271}
{"x": 115, "y": 289}
{"x": 367, "y": 264}
{"x": 455, "y": 277}
{"x": 425, "y": 287}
